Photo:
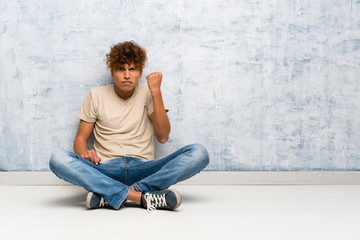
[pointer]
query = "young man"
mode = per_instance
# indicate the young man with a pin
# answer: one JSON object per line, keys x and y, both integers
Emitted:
{"x": 124, "y": 117}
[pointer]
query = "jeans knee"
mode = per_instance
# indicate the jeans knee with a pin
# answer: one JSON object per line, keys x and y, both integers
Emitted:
{"x": 201, "y": 154}
{"x": 58, "y": 160}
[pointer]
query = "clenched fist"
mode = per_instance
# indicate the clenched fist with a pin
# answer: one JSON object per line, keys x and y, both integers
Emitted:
{"x": 154, "y": 81}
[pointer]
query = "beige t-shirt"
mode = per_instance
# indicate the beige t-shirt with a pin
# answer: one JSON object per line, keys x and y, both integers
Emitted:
{"x": 122, "y": 128}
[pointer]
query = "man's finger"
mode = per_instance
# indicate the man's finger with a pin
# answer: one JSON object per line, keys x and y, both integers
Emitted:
{"x": 94, "y": 157}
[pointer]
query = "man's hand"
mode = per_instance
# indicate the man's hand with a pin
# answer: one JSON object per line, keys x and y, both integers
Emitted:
{"x": 91, "y": 156}
{"x": 154, "y": 81}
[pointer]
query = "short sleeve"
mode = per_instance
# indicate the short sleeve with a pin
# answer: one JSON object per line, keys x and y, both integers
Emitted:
{"x": 149, "y": 103}
{"x": 87, "y": 110}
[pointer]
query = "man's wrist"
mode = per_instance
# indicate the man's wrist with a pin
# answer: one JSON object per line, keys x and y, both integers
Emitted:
{"x": 155, "y": 92}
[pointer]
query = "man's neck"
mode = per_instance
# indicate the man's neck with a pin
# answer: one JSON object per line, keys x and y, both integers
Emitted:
{"x": 124, "y": 95}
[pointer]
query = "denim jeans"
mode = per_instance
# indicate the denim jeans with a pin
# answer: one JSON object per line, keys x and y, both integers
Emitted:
{"x": 113, "y": 178}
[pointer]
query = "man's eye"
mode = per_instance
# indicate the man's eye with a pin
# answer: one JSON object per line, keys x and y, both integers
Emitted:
{"x": 132, "y": 69}
{"x": 120, "y": 69}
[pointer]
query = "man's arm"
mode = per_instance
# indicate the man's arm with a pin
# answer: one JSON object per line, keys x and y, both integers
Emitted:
{"x": 80, "y": 142}
{"x": 159, "y": 117}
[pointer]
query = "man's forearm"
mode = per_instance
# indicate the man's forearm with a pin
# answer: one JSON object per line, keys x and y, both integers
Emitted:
{"x": 159, "y": 118}
{"x": 80, "y": 146}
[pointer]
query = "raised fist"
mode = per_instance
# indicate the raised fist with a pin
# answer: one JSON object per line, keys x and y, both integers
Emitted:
{"x": 154, "y": 81}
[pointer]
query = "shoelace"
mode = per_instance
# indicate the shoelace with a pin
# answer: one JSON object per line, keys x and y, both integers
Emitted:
{"x": 103, "y": 203}
{"x": 154, "y": 201}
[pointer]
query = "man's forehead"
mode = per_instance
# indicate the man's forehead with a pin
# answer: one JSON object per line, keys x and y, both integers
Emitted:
{"x": 127, "y": 65}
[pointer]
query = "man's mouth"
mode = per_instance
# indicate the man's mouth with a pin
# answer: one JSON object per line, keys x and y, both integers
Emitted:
{"x": 127, "y": 82}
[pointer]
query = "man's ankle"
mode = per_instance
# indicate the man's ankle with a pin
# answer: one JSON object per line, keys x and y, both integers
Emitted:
{"x": 134, "y": 196}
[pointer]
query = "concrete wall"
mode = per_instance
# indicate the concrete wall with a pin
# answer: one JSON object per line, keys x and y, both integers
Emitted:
{"x": 265, "y": 85}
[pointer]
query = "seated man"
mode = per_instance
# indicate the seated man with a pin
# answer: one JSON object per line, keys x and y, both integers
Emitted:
{"x": 125, "y": 116}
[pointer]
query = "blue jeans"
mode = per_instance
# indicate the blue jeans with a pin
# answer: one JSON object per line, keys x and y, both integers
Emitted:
{"x": 113, "y": 178}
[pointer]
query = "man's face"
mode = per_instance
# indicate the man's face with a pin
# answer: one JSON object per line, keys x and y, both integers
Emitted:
{"x": 126, "y": 79}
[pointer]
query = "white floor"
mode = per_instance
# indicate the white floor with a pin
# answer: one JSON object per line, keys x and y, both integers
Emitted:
{"x": 207, "y": 212}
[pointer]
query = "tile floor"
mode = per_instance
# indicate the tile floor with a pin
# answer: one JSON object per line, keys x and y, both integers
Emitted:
{"x": 207, "y": 212}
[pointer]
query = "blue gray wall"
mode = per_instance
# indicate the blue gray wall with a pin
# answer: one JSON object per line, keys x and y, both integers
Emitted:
{"x": 265, "y": 85}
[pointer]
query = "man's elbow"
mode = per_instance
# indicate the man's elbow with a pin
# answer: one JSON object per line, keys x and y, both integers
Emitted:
{"x": 163, "y": 140}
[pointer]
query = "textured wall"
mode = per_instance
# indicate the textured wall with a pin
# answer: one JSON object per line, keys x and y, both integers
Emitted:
{"x": 265, "y": 85}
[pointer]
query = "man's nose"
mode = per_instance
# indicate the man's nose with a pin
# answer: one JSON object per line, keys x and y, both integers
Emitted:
{"x": 126, "y": 74}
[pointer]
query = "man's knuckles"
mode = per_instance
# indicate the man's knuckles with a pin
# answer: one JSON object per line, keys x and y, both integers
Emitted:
{"x": 155, "y": 75}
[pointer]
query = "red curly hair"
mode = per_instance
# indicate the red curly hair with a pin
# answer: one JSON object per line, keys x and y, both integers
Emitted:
{"x": 126, "y": 53}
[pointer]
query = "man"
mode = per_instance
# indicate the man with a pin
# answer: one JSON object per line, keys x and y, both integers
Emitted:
{"x": 124, "y": 117}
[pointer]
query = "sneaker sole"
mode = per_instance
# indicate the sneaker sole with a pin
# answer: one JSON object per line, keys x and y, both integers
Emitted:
{"x": 88, "y": 198}
{"x": 178, "y": 198}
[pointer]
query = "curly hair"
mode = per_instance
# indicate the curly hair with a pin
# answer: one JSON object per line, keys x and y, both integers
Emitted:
{"x": 126, "y": 53}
